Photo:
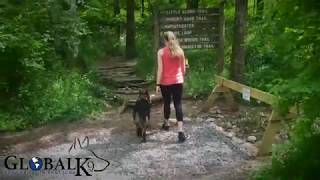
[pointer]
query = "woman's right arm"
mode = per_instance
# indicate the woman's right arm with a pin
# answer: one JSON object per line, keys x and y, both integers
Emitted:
{"x": 159, "y": 71}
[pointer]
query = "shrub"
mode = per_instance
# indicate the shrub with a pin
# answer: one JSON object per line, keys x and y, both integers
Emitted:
{"x": 53, "y": 97}
{"x": 200, "y": 76}
{"x": 298, "y": 158}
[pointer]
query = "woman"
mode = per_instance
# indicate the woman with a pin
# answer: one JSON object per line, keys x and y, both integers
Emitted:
{"x": 170, "y": 78}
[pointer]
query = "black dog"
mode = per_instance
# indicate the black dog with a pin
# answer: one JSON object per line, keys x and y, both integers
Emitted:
{"x": 142, "y": 108}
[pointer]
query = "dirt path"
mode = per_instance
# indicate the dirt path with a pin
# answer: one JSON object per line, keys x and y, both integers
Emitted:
{"x": 208, "y": 153}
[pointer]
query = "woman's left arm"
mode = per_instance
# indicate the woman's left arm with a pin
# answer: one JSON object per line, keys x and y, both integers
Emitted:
{"x": 183, "y": 63}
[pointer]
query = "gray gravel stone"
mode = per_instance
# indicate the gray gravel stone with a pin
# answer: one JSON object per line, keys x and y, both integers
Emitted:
{"x": 251, "y": 139}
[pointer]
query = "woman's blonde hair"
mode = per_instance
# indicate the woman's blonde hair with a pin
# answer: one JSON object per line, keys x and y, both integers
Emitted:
{"x": 173, "y": 43}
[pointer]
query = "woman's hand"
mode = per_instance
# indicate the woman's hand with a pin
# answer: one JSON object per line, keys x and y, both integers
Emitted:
{"x": 157, "y": 89}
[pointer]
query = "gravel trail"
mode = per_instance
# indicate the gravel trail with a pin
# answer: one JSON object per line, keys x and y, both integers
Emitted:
{"x": 207, "y": 154}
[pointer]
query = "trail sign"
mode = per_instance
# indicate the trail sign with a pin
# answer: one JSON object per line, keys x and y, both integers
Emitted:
{"x": 246, "y": 94}
{"x": 195, "y": 28}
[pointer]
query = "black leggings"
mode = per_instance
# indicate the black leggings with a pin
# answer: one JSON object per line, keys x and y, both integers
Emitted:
{"x": 174, "y": 91}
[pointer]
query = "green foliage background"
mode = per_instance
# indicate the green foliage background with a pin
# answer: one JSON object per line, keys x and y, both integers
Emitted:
{"x": 283, "y": 58}
{"x": 47, "y": 51}
{"x": 49, "y": 48}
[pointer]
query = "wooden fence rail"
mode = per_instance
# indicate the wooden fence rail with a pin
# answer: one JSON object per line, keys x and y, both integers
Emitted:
{"x": 225, "y": 86}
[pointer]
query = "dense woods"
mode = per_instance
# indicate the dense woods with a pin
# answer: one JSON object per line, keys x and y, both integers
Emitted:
{"x": 49, "y": 50}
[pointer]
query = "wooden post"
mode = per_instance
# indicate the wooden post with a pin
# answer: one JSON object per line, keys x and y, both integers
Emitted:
{"x": 213, "y": 96}
{"x": 269, "y": 135}
{"x": 220, "y": 52}
{"x": 230, "y": 100}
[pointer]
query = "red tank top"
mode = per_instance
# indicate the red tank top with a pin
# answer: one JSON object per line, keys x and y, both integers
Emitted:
{"x": 172, "y": 70}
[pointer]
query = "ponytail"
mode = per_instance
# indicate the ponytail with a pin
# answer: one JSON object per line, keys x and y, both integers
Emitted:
{"x": 173, "y": 43}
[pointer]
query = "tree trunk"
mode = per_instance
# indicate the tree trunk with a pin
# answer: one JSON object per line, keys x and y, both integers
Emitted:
{"x": 156, "y": 38}
{"x": 220, "y": 52}
{"x": 142, "y": 8}
{"x": 192, "y": 4}
{"x": 131, "y": 28}
{"x": 260, "y": 7}
{"x": 116, "y": 11}
{"x": 238, "y": 50}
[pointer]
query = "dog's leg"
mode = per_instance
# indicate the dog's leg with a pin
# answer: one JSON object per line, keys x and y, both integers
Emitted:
{"x": 148, "y": 116}
{"x": 134, "y": 114}
{"x": 138, "y": 128}
{"x": 148, "y": 119}
{"x": 148, "y": 123}
{"x": 139, "y": 131}
{"x": 144, "y": 134}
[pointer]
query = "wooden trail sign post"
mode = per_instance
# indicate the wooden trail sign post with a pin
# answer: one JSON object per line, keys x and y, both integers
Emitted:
{"x": 201, "y": 28}
{"x": 225, "y": 86}
{"x": 195, "y": 28}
